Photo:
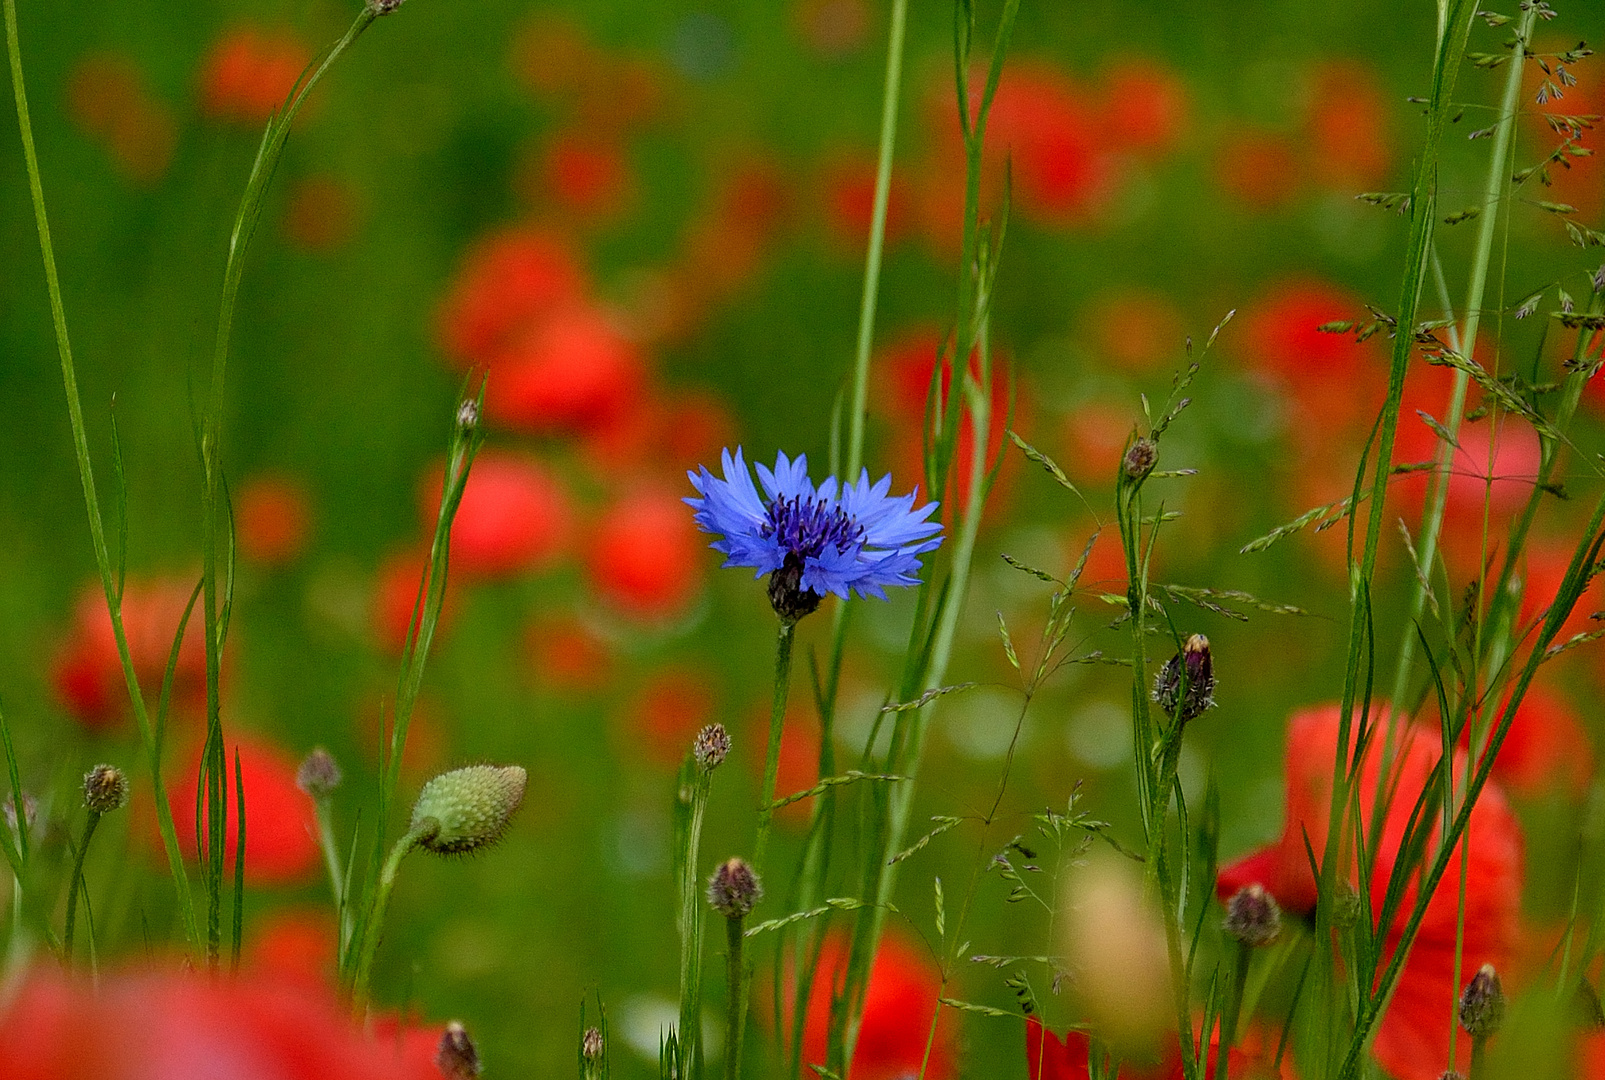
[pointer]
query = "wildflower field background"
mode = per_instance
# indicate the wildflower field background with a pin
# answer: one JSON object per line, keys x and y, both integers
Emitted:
{"x": 645, "y": 225}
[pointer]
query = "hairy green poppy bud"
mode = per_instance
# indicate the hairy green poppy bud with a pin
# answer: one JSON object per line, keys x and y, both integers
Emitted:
{"x": 319, "y": 774}
{"x": 457, "y": 1058}
{"x": 1253, "y": 917}
{"x": 469, "y": 807}
{"x": 711, "y": 746}
{"x": 1482, "y": 1006}
{"x": 734, "y": 889}
{"x": 105, "y": 789}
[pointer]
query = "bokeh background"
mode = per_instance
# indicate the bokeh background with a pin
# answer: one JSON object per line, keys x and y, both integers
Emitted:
{"x": 647, "y": 223}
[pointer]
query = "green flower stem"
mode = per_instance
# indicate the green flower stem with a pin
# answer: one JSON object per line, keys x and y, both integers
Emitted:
{"x": 86, "y": 475}
{"x": 77, "y": 886}
{"x": 323, "y": 812}
{"x": 699, "y": 783}
{"x": 1230, "y": 1014}
{"x": 371, "y": 931}
{"x": 777, "y": 721}
{"x": 736, "y": 1015}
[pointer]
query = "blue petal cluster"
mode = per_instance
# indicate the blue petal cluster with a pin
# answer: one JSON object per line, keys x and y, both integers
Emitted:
{"x": 840, "y": 538}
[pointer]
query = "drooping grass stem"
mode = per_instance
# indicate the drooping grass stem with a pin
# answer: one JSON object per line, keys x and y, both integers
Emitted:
{"x": 86, "y": 475}
{"x": 695, "y": 786}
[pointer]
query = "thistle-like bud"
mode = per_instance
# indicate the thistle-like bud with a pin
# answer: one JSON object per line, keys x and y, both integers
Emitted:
{"x": 1253, "y": 916}
{"x": 30, "y": 808}
{"x": 319, "y": 774}
{"x": 1450, "y": 1074}
{"x": 591, "y": 1045}
{"x": 105, "y": 789}
{"x": 787, "y": 596}
{"x": 734, "y": 889}
{"x": 1482, "y": 1006}
{"x": 1198, "y": 693}
{"x": 467, "y": 809}
{"x": 1141, "y": 456}
{"x": 457, "y": 1058}
{"x": 468, "y": 411}
{"x": 711, "y": 747}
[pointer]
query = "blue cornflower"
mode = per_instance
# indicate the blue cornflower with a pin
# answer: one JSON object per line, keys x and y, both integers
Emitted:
{"x": 836, "y": 538}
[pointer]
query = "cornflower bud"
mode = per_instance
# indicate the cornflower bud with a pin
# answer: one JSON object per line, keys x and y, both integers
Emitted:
{"x": 457, "y": 1058}
{"x": 319, "y": 774}
{"x": 30, "y": 808}
{"x": 466, "y": 809}
{"x": 468, "y": 411}
{"x": 1482, "y": 1006}
{"x": 734, "y": 889}
{"x": 711, "y": 747}
{"x": 1199, "y": 694}
{"x": 591, "y": 1045}
{"x": 1140, "y": 458}
{"x": 1253, "y": 917}
{"x": 105, "y": 789}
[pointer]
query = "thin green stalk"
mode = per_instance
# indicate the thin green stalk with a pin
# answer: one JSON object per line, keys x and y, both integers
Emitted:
{"x": 77, "y": 886}
{"x": 372, "y": 931}
{"x": 736, "y": 1010}
{"x": 322, "y": 810}
{"x": 777, "y": 721}
{"x": 97, "y": 530}
{"x": 1234, "y": 1005}
{"x": 695, "y": 785}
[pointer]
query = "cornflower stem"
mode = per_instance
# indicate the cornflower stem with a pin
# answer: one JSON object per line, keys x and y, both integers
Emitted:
{"x": 77, "y": 886}
{"x": 736, "y": 1011}
{"x": 777, "y": 722}
{"x": 695, "y": 785}
{"x": 1234, "y": 1008}
{"x": 371, "y": 930}
{"x": 1476, "y": 1069}
{"x": 323, "y": 812}
{"x": 86, "y": 476}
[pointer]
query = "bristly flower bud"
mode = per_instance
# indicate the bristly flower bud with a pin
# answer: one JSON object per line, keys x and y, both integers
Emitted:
{"x": 30, "y": 807}
{"x": 1199, "y": 692}
{"x": 711, "y": 747}
{"x": 457, "y": 1058}
{"x": 1482, "y": 1006}
{"x": 1450, "y": 1074}
{"x": 1253, "y": 916}
{"x": 1141, "y": 456}
{"x": 734, "y": 890}
{"x": 469, "y": 807}
{"x": 591, "y": 1045}
{"x": 384, "y": 7}
{"x": 105, "y": 789}
{"x": 319, "y": 774}
{"x": 468, "y": 411}
{"x": 787, "y": 596}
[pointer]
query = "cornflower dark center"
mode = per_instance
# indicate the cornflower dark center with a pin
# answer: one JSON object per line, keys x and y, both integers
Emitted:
{"x": 805, "y": 527}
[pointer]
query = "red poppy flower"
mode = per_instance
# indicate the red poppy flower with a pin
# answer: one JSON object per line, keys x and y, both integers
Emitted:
{"x": 571, "y": 373}
{"x": 1145, "y": 106}
{"x": 567, "y": 655}
{"x": 514, "y": 516}
{"x": 293, "y": 945}
{"x": 1046, "y": 127}
{"x": 1349, "y": 147}
{"x": 322, "y": 213}
{"x": 1095, "y": 435}
{"x": 1281, "y": 341}
{"x": 396, "y": 599}
{"x": 1258, "y": 168}
{"x": 849, "y": 192}
{"x": 108, "y": 99}
{"x": 898, "y": 1005}
{"x": 88, "y": 673}
{"x": 1050, "y": 1058}
{"x": 1139, "y": 329}
{"x": 508, "y": 281}
{"x": 169, "y": 1025}
{"x": 280, "y": 827}
{"x": 271, "y": 520}
{"x": 248, "y": 73}
{"x": 1412, "y": 1041}
{"x": 1546, "y": 749}
{"x": 585, "y": 175}
{"x": 664, "y": 715}
{"x": 798, "y": 768}
{"x": 645, "y": 556}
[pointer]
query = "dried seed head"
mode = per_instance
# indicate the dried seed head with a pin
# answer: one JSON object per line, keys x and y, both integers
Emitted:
{"x": 470, "y": 807}
{"x": 457, "y": 1058}
{"x": 105, "y": 789}
{"x": 711, "y": 746}
{"x": 734, "y": 889}
{"x": 1141, "y": 456}
{"x": 591, "y": 1045}
{"x": 384, "y": 7}
{"x": 1482, "y": 1006}
{"x": 319, "y": 774}
{"x": 468, "y": 411}
{"x": 1185, "y": 685}
{"x": 1253, "y": 917}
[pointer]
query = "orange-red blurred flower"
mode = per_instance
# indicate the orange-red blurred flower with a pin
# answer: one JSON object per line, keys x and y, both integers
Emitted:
{"x": 849, "y": 192}
{"x": 1412, "y": 1041}
{"x": 645, "y": 556}
{"x": 279, "y": 823}
{"x": 665, "y": 713}
{"x": 1260, "y": 168}
{"x": 898, "y": 1005}
{"x": 565, "y": 654}
{"x": 514, "y": 515}
{"x": 1545, "y": 749}
{"x": 1145, "y": 107}
{"x": 397, "y": 601}
{"x": 88, "y": 673}
{"x": 1049, "y": 1057}
{"x": 295, "y": 945}
{"x": 1349, "y": 146}
{"x": 271, "y": 518}
{"x": 322, "y": 213}
{"x": 170, "y": 1025}
{"x": 585, "y": 175}
{"x": 508, "y": 280}
{"x": 108, "y": 99}
{"x": 1318, "y": 372}
{"x": 571, "y": 373}
{"x": 248, "y": 73}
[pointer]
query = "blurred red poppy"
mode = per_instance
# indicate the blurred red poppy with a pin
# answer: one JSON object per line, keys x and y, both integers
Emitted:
{"x": 321, "y": 214}
{"x": 898, "y": 1005}
{"x": 1282, "y": 343}
{"x": 1545, "y": 750}
{"x": 280, "y": 828}
{"x": 508, "y": 280}
{"x": 1050, "y": 1058}
{"x": 572, "y": 373}
{"x": 1412, "y": 1041}
{"x": 645, "y": 558}
{"x": 665, "y": 713}
{"x": 168, "y": 1025}
{"x": 248, "y": 72}
{"x": 397, "y": 600}
{"x": 849, "y": 193}
{"x": 567, "y": 655}
{"x": 515, "y": 516}
{"x": 584, "y": 175}
{"x": 87, "y": 672}
{"x": 1145, "y": 105}
{"x": 1349, "y": 147}
{"x": 109, "y": 100}
{"x": 1260, "y": 168}
{"x": 271, "y": 518}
